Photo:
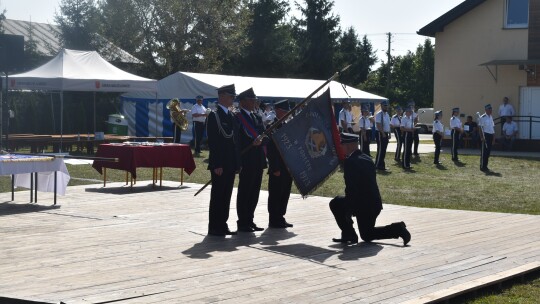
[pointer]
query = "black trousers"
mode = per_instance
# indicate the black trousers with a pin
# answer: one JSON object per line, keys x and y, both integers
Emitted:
{"x": 279, "y": 190}
{"x": 177, "y": 133}
{"x": 416, "y": 141}
{"x": 249, "y": 187}
{"x": 486, "y": 151}
{"x": 198, "y": 126}
{"x": 407, "y": 149}
{"x": 455, "y": 144}
{"x": 366, "y": 222}
{"x": 382, "y": 144}
{"x": 437, "y": 139}
{"x": 399, "y": 143}
{"x": 364, "y": 144}
{"x": 220, "y": 200}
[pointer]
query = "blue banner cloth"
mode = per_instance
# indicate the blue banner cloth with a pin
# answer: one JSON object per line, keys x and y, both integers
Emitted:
{"x": 307, "y": 145}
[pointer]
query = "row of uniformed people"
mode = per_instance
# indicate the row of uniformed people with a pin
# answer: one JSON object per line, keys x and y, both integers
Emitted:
{"x": 236, "y": 148}
{"x": 487, "y": 131}
{"x": 405, "y": 132}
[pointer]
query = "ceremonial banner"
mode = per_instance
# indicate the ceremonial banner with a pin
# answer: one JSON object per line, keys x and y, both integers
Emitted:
{"x": 308, "y": 142}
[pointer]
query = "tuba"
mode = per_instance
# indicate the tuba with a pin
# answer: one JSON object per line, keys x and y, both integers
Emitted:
{"x": 178, "y": 115}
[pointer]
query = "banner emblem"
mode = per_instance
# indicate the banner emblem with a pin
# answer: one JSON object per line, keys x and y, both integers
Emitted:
{"x": 316, "y": 143}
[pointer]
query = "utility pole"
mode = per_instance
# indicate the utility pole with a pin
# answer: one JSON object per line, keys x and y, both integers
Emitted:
{"x": 389, "y": 63}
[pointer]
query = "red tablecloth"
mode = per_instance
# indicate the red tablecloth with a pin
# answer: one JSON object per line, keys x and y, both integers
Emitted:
{"x": 132, "y": 157}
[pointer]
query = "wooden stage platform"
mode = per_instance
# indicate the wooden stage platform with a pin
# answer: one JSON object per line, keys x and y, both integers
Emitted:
{"x": 105, "y": 245}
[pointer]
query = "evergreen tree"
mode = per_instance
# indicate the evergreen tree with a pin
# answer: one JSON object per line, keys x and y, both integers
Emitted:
{"x": 358, "y": 54}
{"x": 412, "y": 77}
{"x": 79, "y": 21}
{"x": 272, "y": 50}
{"x": 317, "y": 33}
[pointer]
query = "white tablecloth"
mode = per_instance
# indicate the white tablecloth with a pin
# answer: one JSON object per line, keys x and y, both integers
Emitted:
{"x": 46, "y": 170}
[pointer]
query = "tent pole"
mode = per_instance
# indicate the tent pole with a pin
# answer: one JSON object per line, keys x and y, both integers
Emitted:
{"x": 156, "y": 133}
{"x": 2, "y": 117}
{"x": 52, "y": 112}
{"x": 61, "y": 119}
{"x": 94, "y": 113}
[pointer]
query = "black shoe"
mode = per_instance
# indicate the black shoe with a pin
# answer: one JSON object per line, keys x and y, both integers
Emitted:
{"x": 437, "y": 163}
{"x": 228, "y": 232}
{"x": 416, "y": 154}
{"x": 245, "y": 229}
{"x": 278, "y": 225}
{"x": 346, "y": 240}
{"x": 408, "y": 168}
{"x": 455, "y": 159}
{"x": 486, "y": 169}
{"x": 404, "y": 234}
{"x": 255, "y": 228}
{"x": 216, "y": 232}
{"x": 287, "y": 224}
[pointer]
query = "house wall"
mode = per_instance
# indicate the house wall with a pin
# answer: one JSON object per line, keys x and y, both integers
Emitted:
{"x": 475, "y": 38}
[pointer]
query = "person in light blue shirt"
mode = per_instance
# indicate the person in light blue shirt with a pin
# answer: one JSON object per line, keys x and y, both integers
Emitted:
{"x": 438, "y": 134}
{"x": 487, "y": 136}
{"x": 382, "y": 123}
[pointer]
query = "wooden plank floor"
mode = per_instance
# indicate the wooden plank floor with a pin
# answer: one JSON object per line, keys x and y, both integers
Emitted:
{"x": 100, "y": 245}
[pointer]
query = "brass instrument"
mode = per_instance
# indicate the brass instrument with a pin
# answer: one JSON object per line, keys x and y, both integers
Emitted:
{"x": 178, "y": 115}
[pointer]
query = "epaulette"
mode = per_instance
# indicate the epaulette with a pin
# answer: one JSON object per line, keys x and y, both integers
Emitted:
{"x": 483, "y": 115}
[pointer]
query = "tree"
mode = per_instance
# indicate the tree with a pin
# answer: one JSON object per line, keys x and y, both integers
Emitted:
{"x": 2, "y": 18}
{"x": 358, "y": 54}
{"x": 171, "y": 35}
{"x": 32, "y": 56}
{"x": 317, "y": 34}
{"x": 412, "y": 77}
{"x": 272, "y": 50}
{"x": 79, "y": 21}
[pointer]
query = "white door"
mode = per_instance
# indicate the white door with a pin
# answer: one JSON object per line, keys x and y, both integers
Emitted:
{"x": 529, "y": 106}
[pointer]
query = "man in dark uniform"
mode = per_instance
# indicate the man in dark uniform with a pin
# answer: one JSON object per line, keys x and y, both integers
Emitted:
{"x": 362, "y": 199}
{"x": 223, "y": 160}
{"x": 253, "y": 161}
{"x": 280, "y": 181}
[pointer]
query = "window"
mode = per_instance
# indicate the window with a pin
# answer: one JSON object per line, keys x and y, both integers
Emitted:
{"x": 517, "y": 14}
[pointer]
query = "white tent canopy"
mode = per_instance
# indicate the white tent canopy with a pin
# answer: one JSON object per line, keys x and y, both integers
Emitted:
{"x": 85, "y": 71}
{"x": 186, "y": 86}
{"x": 148, "y": 116}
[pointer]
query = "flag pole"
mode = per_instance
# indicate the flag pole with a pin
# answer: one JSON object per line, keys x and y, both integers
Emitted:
{"x": 282, "y": 119}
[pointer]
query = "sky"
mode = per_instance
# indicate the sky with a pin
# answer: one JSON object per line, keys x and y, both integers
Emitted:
{"x": 373, "y": 18}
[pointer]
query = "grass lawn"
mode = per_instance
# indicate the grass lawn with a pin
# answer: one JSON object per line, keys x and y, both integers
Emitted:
{"x": 512, "y": 188}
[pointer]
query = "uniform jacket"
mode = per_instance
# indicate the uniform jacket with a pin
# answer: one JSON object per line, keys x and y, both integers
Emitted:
{"x": 361, "y": 190}
{"x": 223, "y": 148}
{"x": 254, "y": 157}
{"x": 275, "y": 162}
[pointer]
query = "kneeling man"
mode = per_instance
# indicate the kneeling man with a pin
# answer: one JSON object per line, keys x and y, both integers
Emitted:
{"x": 362, "y": 199}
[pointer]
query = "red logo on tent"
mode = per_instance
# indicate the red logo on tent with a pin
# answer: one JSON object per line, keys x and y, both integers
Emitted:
{"x": 13, "y": 82}
{"x": 98, "y": 84}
